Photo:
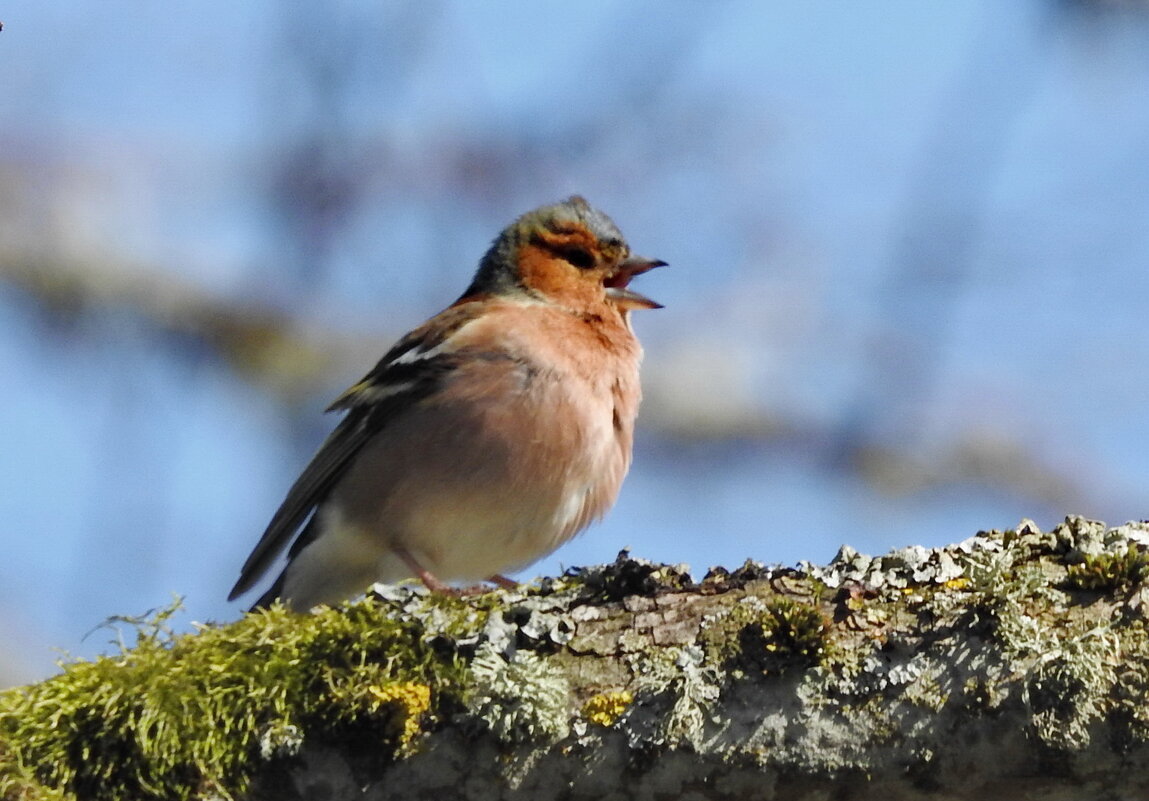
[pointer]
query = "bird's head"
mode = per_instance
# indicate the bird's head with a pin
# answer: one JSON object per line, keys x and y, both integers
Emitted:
{"x": 569, "y": 253}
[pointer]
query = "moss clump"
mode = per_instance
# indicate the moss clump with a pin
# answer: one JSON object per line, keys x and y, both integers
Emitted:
{"x": 1109, "y": 572}
{"x": 17, "y": 782}
{"x": 768, "y": 636}
{"x": 790, "y": 634}
{"x": 180, "y": 717}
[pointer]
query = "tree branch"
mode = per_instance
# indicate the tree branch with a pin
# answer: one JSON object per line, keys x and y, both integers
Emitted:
{"x": 1009, "y": 665}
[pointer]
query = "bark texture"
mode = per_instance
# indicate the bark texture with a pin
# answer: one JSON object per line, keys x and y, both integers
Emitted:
{"x": 1012, "y": 665}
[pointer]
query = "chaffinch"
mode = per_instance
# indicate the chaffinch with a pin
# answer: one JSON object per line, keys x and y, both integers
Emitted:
{"x": 485, "y": 438}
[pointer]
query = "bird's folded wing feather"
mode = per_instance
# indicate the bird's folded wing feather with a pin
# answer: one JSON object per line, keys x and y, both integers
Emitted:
{"x": 413, "y": 369}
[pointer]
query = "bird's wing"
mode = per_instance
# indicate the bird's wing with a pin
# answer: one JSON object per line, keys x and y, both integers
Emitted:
{"x": 413, "y": 369}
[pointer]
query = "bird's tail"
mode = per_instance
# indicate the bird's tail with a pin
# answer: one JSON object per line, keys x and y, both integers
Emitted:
{"x": 272, "y": 595}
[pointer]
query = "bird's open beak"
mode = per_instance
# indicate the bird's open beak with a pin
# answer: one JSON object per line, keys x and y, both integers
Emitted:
{"x": 616, "y": 286}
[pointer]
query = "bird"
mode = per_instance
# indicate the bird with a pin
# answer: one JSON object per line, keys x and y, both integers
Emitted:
{"x": 483, "y": 439}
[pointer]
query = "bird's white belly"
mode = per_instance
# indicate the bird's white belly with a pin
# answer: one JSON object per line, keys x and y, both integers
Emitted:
{"x": 482, "y": 537}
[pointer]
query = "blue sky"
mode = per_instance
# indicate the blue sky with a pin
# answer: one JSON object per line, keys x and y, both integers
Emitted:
{"x": 921, "y": 229}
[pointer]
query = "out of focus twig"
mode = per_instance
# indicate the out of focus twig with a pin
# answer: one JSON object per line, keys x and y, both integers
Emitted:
{"x": 293, "y": 362}
{"x": 262, "y": 344}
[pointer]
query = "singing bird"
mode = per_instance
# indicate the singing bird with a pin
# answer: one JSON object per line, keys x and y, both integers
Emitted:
{"x": 486, "y": 437}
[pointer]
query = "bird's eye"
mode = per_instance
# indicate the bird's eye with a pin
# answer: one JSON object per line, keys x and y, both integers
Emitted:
{"x": 579, "y": 257}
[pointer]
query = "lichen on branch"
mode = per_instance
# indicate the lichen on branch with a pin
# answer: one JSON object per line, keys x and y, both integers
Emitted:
{"x": 1014, "y": 660}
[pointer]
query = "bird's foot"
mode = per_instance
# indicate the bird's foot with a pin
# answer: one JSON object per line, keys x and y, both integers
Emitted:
{"x": 502, "y": 582}
{"x": 432, "y": 582}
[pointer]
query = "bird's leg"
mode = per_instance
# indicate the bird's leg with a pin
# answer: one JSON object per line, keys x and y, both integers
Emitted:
{"x": 426, "y": 576}
{"x": 432, "y": 582}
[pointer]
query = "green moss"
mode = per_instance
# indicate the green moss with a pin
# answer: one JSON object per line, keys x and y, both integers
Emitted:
{"x": 181, "y": 717}
{"x": 792, "y": 632}
{"x": 768, "y": 636}
{"x": 1109, "y": 572}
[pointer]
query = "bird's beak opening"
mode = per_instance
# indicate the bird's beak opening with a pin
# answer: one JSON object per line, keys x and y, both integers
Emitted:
{"x": 616, "y": 286}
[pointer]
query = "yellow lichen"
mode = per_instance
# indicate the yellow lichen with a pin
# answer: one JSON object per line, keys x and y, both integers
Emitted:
{"x": 410, "y": 699}
{"x": 606, "y": 708}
